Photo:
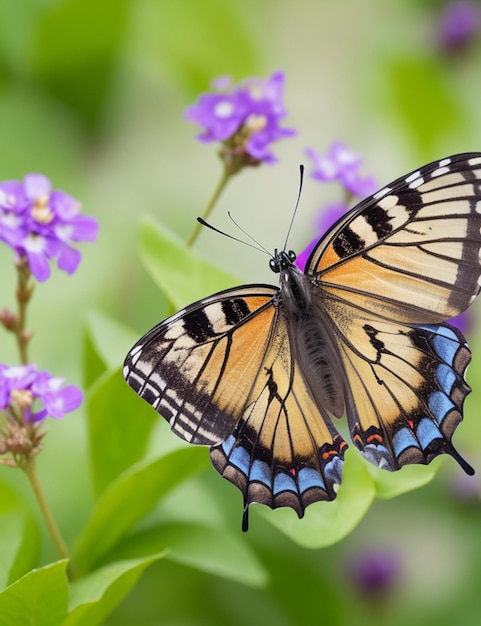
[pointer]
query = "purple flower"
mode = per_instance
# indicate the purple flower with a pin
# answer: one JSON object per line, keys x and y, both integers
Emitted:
{"x": 327, "y": 217}
{"x": 460, "y": 22}
{"x": 26, "y": 386}
{"x": 373, "y": 573}
{"x": 40, "y": 223}
{"x": 342, "y": 165}
{"x": 246, "y": 118}
{"x": 462, "y": 321}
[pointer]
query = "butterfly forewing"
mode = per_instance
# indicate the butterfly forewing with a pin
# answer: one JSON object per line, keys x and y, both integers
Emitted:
{"x": 411, "y": 251}
{"x": 183, "y": 366}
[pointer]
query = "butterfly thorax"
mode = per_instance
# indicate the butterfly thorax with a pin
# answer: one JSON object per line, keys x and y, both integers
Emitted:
{"x": 310, "y": 334}
{"x": 294, "y": 285}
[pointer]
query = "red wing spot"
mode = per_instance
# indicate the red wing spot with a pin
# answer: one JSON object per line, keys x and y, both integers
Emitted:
{"x": 410, "y": 424}
{"x": 292, "y": 471}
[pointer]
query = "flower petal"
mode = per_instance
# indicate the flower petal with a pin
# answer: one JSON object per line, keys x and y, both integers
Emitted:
{"x": 37, "y": 186}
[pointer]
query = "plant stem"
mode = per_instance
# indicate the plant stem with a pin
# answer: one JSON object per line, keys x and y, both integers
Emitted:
{"x": 30, "y": 469}
{"x": 24, "y": 293}
{"x": 217, "y": 192}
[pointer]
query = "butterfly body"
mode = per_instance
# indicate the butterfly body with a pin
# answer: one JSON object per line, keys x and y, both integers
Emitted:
{"x": 260, "y": 373}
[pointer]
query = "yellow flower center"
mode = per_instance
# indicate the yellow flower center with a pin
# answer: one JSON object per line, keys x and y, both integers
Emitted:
{"x": 41, "y": 212}
{"x": 22, "y": 398}
{"x": 255, "y": 123}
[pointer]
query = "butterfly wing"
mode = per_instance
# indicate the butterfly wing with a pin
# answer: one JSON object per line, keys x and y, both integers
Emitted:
{"x": 390, "y": 271}
{"x": 406, "y": 387}
{"x": 223, "y": 374}
{"x": 411, "y": 252}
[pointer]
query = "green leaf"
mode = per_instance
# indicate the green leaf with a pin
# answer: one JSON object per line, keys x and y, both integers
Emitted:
{"x": 110, "y": 338}
{"x": 93, "y": 597}
{"x": 180, "y": 273}
{"x": 410, "y": 477}
{"x": 19, "y": 536}
{"x": 326, "y": 523}
{"x": 119, "y": 428}
{"x": 197, "y": 41}
{"x": 92, "y": 363}
{"x": 38, "y": 599}
{"x": 106, "y": 344}
{"x": 130, "y": 497}
{"x": 213, "y": 550}
{"x": 76, "y": 49}
{"x": 19, "y": 546}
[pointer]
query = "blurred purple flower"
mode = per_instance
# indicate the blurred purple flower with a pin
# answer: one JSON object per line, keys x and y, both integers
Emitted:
{"x": 342, "y": 165}
{"x": 40, "y": 224}
{"x": 460, "y": 23}
{"x": 26, "y": 385}
{"x": 246, "y": 118}
{"x": 374, "y": 572}
{"x": 462, "y": 321}
{"x": 464, "y": 488}
{"x": 327, "y": 217}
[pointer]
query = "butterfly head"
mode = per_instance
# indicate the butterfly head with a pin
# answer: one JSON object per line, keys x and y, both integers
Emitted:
{"x": 282, "y": 260}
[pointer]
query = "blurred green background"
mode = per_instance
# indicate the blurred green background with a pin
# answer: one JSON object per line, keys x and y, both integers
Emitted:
{"x": 92, "y": 95}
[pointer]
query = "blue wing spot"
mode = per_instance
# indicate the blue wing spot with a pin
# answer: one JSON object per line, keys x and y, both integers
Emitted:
{"x": 283, "y": 482}
{"x": 241, "y": 459}
{"x": 440, "y": 405}
{"x": 427, "y": 432}
{"x": 403, "y": 439}
{"x": 378, "y": 455}
{"x": 446, "y": 377}
{"x": 228, "y": 445}
{"x": 333, "y": 470}
{"x": 260, "y": 472}
{"x": 309, "y": 478}
{"x": 444, "y": 342}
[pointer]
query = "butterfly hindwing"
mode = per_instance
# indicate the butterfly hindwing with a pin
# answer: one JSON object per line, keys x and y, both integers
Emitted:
{"x": 406, "y": 387}
{"x": 223, "y": 374}
{"x": 410, "y": 252}
{"x": 283, "y": 451}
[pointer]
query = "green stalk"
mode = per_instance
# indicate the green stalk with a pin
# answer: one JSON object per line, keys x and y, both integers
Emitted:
{"x": 30, "y": 468}
{"x": 24, "y": 293}
{"x": 217, "y": 192}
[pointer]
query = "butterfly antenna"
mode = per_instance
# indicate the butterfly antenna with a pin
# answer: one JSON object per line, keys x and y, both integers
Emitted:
{"x": 257, "y": 247}
{"x": 301, "y": 179}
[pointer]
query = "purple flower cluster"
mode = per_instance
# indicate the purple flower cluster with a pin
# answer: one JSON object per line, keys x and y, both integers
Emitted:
{"x": 39, "y": 224}
{"x": 342, "y": 165}
{"x": 248, "y": 116}
{"x": 26, "y": 386}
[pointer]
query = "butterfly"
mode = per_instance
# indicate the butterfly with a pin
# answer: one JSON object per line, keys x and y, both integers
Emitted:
{"x": 259, "y": 372}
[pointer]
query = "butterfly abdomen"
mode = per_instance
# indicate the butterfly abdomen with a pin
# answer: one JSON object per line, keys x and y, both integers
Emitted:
{"x": 320, "y": 364}
{"x": 312, "y": 340}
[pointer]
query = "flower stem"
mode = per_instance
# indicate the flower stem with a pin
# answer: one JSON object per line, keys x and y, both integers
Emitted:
{"x": 24, "y": 293}
{"x": 215, "y": 196}
{"x": 30, "y": 469}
